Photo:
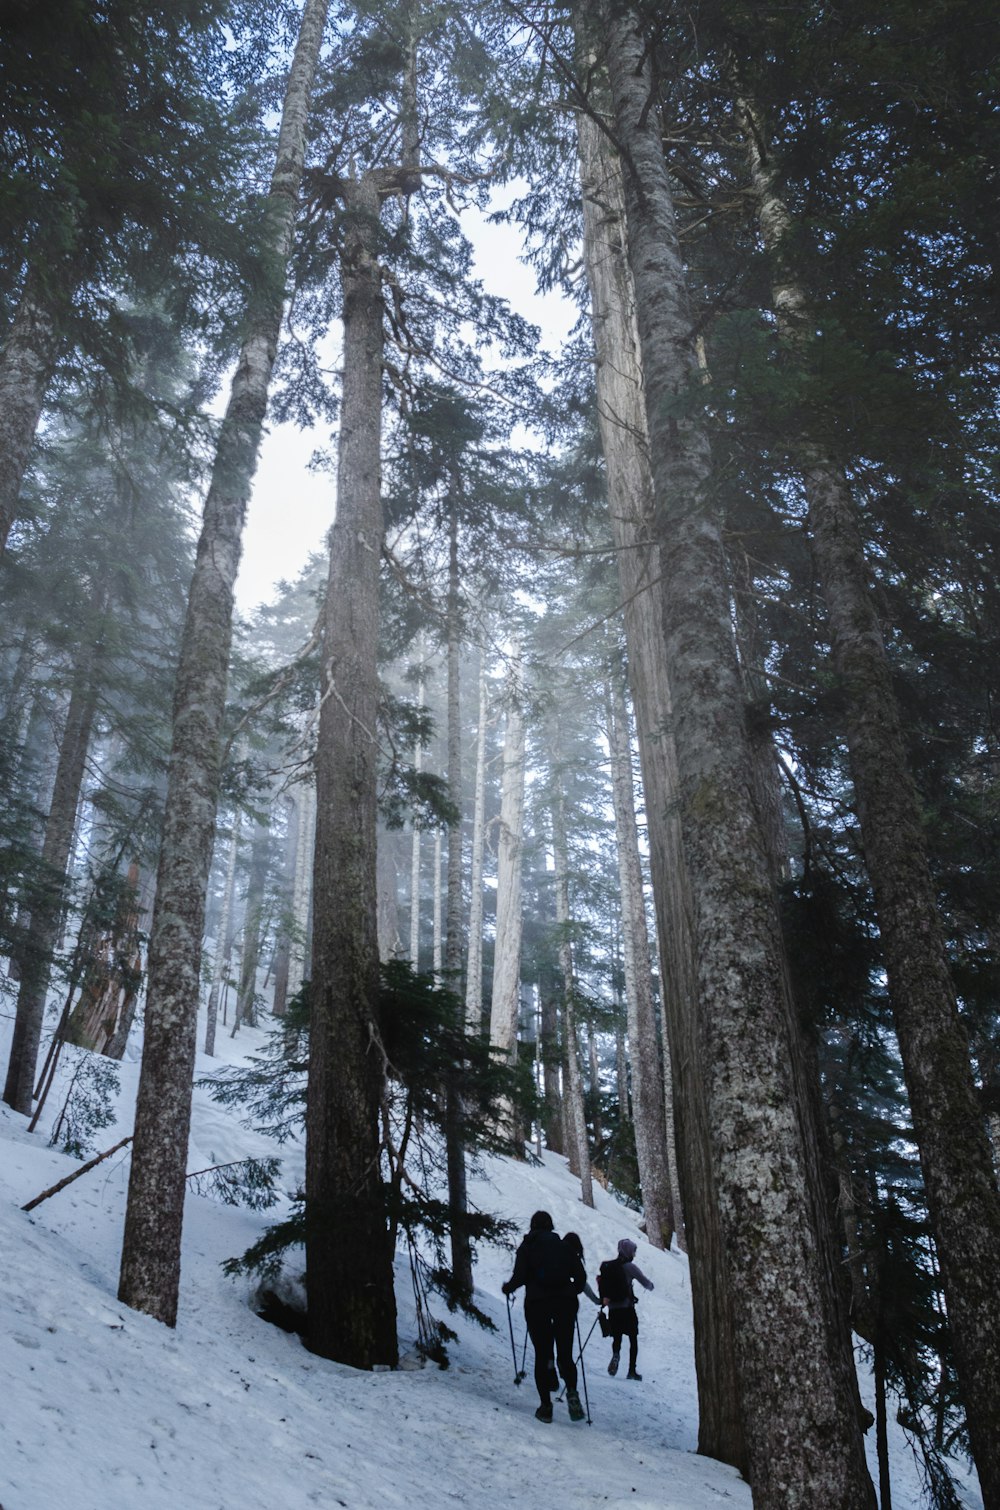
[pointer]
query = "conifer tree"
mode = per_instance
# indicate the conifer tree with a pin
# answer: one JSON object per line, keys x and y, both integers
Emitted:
{"x": 139, "y": 159}
{"x": 150, "y": 1273}
{"x": 744, "y": 1032}
{"x": 957, "y": 1162}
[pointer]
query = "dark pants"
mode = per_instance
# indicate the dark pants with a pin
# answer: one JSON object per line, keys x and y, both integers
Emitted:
{"x": 550, "y": 1325}
{"x": 624, "y": 1322}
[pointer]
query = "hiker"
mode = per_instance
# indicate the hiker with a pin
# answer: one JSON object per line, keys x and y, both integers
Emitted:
{"x": 574, "y": 1243}
{"x": 552, "y": 1276}
{"x": 614, "y": 1283}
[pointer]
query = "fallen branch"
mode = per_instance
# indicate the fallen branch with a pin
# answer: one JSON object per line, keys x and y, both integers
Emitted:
{"x": 61, "y": 1184}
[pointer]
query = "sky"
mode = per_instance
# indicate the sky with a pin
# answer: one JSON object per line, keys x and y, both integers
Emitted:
{"x": 106, "y": 1409}
{"x": 292, "y": 508}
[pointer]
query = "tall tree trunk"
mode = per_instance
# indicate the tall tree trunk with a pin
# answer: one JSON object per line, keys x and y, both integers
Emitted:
{"x": 575, "y": 1116}
{"x": 352, "y": 1308}
{"x": 551, "y": 1050}
{"x": 458, "y": 1200}
{"x": 34, "y": 775}
{"x": 802, "y": 1435}
{"x": 437, "y": 938}
{"x": 418, "y": 765}
{"x": 390, "y": 943}
{"x": 47, "y": 903}
{"x": 595, "y": 1084}
{"x": 474, "y": 958}
{"x": 622, "y": 420}
{"x": 246, "y": 995}
{"x": 962, "y": 1193}
{"x": 647, "y": 1079}
{"x": 454, "y": 910}
{"x": 26, "y": 366}
{"x": 150, "y": 1272}
{"x": 305, "y": 803}
{"x": 112, "y": 974}
{"x": 223, "y": 938}
{"x": 507, "y": 949}
{"x": 621, "y": 1067}
{"x": 117, "y": 1041}
{"x": 282, "y": 947}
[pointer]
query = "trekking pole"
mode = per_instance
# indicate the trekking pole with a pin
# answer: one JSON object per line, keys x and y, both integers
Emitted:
{"x": 579, "y": 1356}
{"x": 524, "y": 1353}
{"x": 588, "y": 1336}
{"x": 583, "y": 1371}
{"x": 518, "y": 1373}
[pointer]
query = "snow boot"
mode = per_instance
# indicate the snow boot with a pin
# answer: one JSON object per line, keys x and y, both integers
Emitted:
{"x": 633, "y": 1375}
{"x": 575, "y": 1408}
{"x": 613, "y": 1365}
{"x": 544, "y": 1411}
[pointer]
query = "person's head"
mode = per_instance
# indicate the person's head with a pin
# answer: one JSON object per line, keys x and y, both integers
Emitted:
{"x": 626, "y": 1249}
{"x": 573, "y": 1243}
{"x": 541, "y": 1222}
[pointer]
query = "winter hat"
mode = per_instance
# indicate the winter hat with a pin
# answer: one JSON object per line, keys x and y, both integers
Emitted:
{"x": 542, "y": 1222}
{"x": 626, "y": 1249}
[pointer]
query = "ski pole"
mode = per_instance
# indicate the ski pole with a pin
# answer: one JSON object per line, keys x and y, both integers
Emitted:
{"x": 583, "y": 1371}
{"x": 524, "y": 1353}
{"x": 513, "y": 1346}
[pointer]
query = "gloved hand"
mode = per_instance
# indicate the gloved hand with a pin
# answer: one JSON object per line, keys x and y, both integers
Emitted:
{"x": 505, "y": 1288}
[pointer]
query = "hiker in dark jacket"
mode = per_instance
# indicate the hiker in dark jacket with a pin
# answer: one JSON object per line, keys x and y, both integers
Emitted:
{"x": 574, "y": 1243}
{"x": 552, "y": 1276}
{"x": 614, "y": 1283}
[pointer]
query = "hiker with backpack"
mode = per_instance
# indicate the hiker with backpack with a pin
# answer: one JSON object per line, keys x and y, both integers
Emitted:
{"x": 614, "y": 1285}
{"x": 552, "y": 1276}
{"x": 574, "y": 1243}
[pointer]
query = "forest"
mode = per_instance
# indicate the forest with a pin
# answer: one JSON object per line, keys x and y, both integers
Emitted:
{"x": 622, "y": 779}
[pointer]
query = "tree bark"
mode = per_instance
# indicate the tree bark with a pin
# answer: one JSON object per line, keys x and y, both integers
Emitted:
{"x": 246, "y": 995}
{"x": 622, "y": 420}
{"x": 454, "y": 909}
{"x": 223, "y": 938}
{"x": 112, "y": 978}
{"x": 352, "y": 1308}
{"x": 553, "y": 1120}
{"x": 437, "y": 937}
{"x": 962, "y": 1192}
{"x": 390, "y": 943}
{"x": 458, "y": 1198}
{"x": 150, "y": 1271}
{"x": 802, "y": 1436}
{"x": 26, "y": 366}
{"x": 305, "y": 803}
{"x": 474, "y": 958}
{"x": 46, "y": 910}
{"x": 575, "y": 1116}
{"x": 283, "y": 947}
{"x": 418, "y": 765}
{"x": 647, "y": 1078}
{"x": 507, "y": 950}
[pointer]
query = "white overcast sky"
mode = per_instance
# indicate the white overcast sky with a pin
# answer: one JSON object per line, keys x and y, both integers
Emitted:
{"x": 292, "y": 508}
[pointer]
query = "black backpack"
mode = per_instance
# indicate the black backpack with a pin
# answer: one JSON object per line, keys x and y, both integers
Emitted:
{"x": 613, "y": 1283}
{"x": 551, "y": 1264}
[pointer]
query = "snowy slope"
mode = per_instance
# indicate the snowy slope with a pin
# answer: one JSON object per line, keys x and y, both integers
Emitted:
{"x": 105, "y": 1409}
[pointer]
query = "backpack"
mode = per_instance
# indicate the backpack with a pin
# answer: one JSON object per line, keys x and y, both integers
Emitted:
{"x": 551, "y": 1265}
{"x": 612, "y": 1282}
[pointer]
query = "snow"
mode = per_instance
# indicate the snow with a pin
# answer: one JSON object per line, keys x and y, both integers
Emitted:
{"x": 106, "y": 1409}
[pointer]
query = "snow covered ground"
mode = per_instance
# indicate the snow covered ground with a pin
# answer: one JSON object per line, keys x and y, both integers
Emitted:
{"x": 105, "y": 1409}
